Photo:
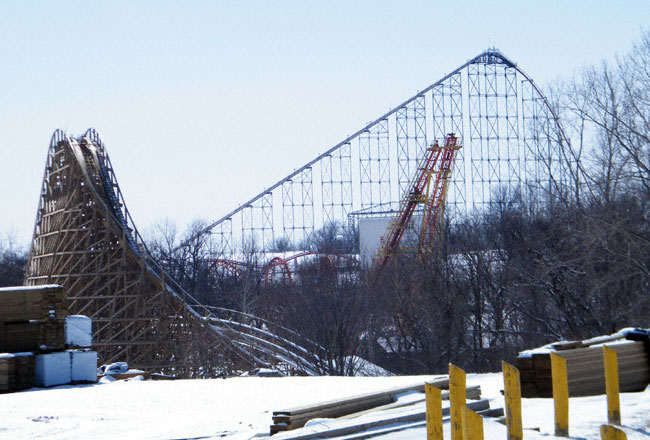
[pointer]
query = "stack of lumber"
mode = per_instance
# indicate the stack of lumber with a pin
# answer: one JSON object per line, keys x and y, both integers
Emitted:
{"x": 585, "y": 366}
{"x": 52, "y": 334}
{"x": 35, "y": 302}
{"x": 32, "y": 317}
{"x": 16, "y": 336}
{"x": 16, "y": 371}
{"x": 381, "y": 424}
{"x": 19, "y": 336}
{"x": 7, "y": 372}
{"x": 39, "y": 343}
{"x": 24, "y": 370}
{"x": 353, "y": 407}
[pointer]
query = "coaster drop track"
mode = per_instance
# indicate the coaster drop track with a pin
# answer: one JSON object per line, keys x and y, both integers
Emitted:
{"x": 512, "y": 140}
{"x": 85, "y": 240}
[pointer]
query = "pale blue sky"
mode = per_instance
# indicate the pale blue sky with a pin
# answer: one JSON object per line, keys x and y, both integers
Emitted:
{"x": 202, "y": 104}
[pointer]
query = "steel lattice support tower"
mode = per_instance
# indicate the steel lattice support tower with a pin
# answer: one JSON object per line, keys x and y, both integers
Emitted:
{"x": 512, "y": 143}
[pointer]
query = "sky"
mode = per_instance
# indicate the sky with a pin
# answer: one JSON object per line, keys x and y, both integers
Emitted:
{"x": 203, "y": 104}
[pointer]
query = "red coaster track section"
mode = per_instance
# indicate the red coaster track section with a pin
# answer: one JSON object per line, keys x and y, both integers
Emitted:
{"x": 278, "y": 267}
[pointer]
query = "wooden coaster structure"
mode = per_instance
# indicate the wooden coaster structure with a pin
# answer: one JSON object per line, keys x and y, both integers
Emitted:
{"x": 85, "y": 240}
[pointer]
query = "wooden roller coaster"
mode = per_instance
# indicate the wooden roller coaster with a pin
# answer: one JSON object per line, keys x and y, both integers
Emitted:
{"x": 85, "y": 240}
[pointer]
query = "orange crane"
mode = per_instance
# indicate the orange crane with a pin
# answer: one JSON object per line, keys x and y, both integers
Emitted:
{"x": 426, "y": 190}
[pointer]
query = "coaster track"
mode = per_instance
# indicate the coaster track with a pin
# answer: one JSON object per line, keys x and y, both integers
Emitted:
{"x": 85, "y": 240}
{"x": 512, "y": 141}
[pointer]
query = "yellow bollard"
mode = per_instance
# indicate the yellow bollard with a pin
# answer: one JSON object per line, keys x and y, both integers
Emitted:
{"x": 611, "y": 386}
{"x": 433, "y": 396}
{"x": 560, "y": 395}
{"x": 512, "y": 394}
{"x": 457, "y": 401}
{"x": 609, "y": 432}
{"x": 472, "y": 425}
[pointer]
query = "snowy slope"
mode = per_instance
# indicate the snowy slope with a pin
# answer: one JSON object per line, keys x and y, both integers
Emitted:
{"x": 241, "y": 408}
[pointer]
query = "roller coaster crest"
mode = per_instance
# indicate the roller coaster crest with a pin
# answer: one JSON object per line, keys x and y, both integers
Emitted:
{"x": 512, "y": 139}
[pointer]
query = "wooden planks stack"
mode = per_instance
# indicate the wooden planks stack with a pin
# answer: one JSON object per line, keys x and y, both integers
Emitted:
{"x": 32, "y": 303}
{"x": 24, "y": 364}
{"x": 19, "y": 336}
{"x": 294, "y": 418}
{"x": 7, "y": 369}
{"x": 52, "y": 334}
{"x": 32, "y": 335}
{"x": 32, "y": 319}
{"x": 585, "y": 368}
{"x": 381, "y": 423}
{"x": 16, "y": 371}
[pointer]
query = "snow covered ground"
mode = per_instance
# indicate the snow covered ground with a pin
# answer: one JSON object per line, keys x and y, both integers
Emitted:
{"x": 241, "y": 408}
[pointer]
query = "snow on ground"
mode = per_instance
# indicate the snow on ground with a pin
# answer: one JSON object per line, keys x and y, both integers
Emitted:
{"x": 241, "y": 408}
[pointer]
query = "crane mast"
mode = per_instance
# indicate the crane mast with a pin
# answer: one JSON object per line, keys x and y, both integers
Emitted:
{"x": 428, "y": 188}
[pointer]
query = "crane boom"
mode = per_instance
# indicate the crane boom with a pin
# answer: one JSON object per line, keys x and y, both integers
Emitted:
{"x": 424, "y": 189}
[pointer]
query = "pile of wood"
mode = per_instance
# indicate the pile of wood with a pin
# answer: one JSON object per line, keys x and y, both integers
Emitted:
{"x": 39, "y": 342}
{"x": 585, "y": 366}
{"x": 23, "y": 370}
{"x": 16, "y": 371}
{"x": 37, "y": 302}
{"x": 32, "y": 318}
{"x": 31, "y": 335}
{"x": 19, "y": 336}
{"x": 6, "y": 372}
{"x": 353, "y": 407}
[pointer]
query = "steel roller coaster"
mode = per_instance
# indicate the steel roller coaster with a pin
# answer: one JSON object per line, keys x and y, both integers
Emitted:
{"x": 512, "y": 140}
